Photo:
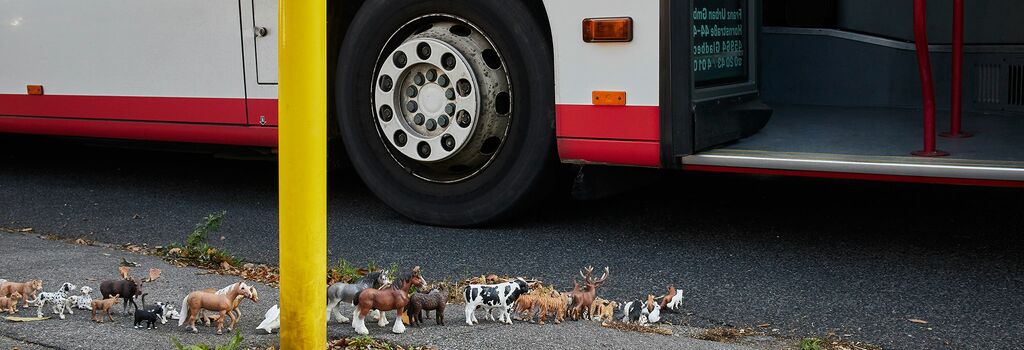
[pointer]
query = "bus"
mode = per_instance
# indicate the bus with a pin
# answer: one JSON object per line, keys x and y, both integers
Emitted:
{"x": 460, "y": 112}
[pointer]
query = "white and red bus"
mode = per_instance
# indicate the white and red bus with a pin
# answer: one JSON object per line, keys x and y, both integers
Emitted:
{"x": 455, "y": 112}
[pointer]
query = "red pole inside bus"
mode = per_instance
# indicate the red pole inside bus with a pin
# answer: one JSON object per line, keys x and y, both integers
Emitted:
{"x": 955, "y": 119}
{"x": 924, "y": 67}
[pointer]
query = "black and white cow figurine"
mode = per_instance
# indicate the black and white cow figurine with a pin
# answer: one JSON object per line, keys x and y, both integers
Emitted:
{"x": 500, "y": 296}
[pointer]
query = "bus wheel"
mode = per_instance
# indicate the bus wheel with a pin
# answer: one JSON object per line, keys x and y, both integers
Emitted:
{"x": 446, "y": 108}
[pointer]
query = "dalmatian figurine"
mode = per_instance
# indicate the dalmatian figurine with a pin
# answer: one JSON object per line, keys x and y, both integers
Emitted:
{"x": 60, "y": 300}
{"x": 84, "y": 301}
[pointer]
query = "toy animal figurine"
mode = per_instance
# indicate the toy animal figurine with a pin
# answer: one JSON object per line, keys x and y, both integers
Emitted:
{"x": 673, "y": 300}
{"x": 222, "y": 304}
{"x": 26, "y": 289}
{"x": 435, "y": 301}
{"x": 128, "y": 289}
{"x": 640, "y": 312}
{"x": 10, "y": 304}
{"x": 603, "y": 310}
{"x": 652, "y": 311}
{"x": 394, "y": 298}
{"x": 236, "y": 310}
{"x": 524, "y": 307}
{"x": 345, "y": 292}
{"x": 169, "y": 312}
{"x": 632, "y": 311}
{"x": 271, "y": 320}
{"x": 554, "y": 303}
{"x": 500, "y": 296}
{"x": 103, "y": 305}
{"x": 59, "y": 300}
{"x": 83, "y": 301}
{"x": 149, "y": 316}
{"x": 583, "y": 298}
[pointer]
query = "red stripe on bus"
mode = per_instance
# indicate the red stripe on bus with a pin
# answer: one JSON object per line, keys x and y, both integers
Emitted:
{"x": 156, "y": 109}
{"x": 616, "y": 152}
{"x": 266, "y": 108}
{"x": 856, "y": 176}
{"x": 171, "y": 132}
{"x": 641, "y": 123}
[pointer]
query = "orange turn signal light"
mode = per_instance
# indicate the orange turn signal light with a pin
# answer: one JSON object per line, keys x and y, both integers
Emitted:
{"x": 608, "y": 30}
{"x": 609, "y": 98}
{"x": 35, "y": 89}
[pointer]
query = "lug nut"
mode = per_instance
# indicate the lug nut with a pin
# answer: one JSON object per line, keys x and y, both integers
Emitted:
{"x": 450, "y": 94}
{"x": 448, "y": 61}
{"x": 386, "y": 113}
{"x": 442, "y": 121}
{"x": 423, "y": 149}
{"x": 448, "y": 142}
{"x": 386, "y": 84}
{"x": 411, "y": 91}
{"x": 400, "y": 59}
{"x": 443, "y": 81}
{"x": 423, "y": 50}
{"x": 450, "y": 109}
{"x": 431, "y": 125}
{"x": 418, "y": 79}
{"x": 401, "y": 138}
{"x": 432, "y": 74}
{"x": 418, "y": 119}
{"x": 463, "y": 119}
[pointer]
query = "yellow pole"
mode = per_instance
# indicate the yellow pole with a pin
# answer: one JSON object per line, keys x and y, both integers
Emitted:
{"x": 302, "y": 166}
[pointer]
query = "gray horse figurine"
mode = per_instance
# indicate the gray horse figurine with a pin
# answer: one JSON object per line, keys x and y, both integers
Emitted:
{"x": 345, "y": 292}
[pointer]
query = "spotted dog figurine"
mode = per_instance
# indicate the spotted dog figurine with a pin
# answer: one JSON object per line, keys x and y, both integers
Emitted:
{"x": 59, "y": 299}
{"x": 83, "y": 301}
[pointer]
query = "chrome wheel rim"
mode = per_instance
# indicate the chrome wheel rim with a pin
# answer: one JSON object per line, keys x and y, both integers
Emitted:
{"x": 442, "y": 99}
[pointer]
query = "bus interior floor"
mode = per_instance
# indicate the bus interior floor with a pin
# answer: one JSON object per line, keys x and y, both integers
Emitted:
{"x": 889, "y": 132}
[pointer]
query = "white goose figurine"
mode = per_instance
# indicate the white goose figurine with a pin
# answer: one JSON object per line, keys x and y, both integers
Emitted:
{"x": 271, "y": 320}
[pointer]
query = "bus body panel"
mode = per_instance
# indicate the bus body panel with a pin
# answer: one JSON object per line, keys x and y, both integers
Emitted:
{"x": 588, "y": 133}
{"x": 110, "y": 53}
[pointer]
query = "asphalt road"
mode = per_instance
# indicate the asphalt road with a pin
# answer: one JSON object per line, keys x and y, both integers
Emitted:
{"x": 810, "y": 257}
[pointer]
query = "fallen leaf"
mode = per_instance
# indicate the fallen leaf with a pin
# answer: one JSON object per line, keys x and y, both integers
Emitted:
{"x": 765, "y": 325}
{"x": 27, "y": 229}
{"x": 225, "y": 265}
{"x": 914, "y": 320}
{"x": 124, "y": 271}
{"x": 154, "y": 273}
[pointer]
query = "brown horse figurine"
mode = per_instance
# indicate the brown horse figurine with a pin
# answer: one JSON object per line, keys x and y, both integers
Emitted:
{"x": 223, "y": 304}
{"x": 394, "y": 297}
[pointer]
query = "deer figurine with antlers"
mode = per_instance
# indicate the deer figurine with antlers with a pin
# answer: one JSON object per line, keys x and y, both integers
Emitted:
{"x": 583, "y": 296}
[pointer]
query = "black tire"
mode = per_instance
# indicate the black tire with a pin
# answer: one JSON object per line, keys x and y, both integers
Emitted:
{"x": 516, "y": 176}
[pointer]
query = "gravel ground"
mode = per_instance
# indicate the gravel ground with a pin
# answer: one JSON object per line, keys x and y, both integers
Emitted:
{"x": 810, "y": 257}
{"x": 87, "y": 265}
{"x": 29, "y": 257}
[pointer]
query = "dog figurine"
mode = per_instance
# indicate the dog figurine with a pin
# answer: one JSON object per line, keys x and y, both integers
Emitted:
{"x": 149, "y": 316}
{"x": 59, "y": 299}
{"x": 26, "y": 289}
{"x": 167, "y": 312}
{"x": 10, "y": 304}
{"x": 604, "y": 310}
{"x": 104, "y": 305}
{"x": 84, "y": 301}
